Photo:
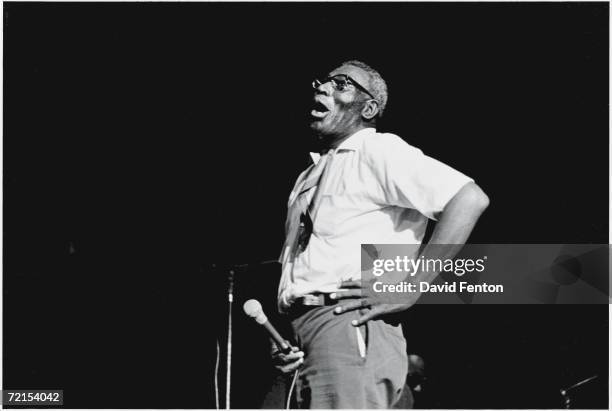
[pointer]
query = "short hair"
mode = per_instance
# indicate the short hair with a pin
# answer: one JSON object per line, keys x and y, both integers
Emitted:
{"x": 378, "y": 86}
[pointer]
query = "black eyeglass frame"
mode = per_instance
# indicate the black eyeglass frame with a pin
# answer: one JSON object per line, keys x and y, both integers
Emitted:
{"x": 348, "y": 79}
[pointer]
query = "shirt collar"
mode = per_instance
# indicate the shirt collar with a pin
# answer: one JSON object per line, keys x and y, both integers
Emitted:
{"x": 352, "y": 143}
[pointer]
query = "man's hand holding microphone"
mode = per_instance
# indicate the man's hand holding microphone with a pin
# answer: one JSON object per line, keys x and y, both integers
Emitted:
{"x": 286, "y": 358}
{"x": 286, "y": 363}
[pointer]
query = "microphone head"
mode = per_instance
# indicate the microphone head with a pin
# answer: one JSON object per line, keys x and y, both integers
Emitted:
{"x": 253, "y": 309}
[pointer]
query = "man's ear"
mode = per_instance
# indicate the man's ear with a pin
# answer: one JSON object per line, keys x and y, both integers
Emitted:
{"x": 370, "y": 109}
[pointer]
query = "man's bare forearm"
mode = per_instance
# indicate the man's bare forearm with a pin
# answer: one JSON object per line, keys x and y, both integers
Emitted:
{"x": 455, "y": 225}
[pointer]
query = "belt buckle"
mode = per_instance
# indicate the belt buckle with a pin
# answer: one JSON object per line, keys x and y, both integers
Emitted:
{"x": 310, "y": 300}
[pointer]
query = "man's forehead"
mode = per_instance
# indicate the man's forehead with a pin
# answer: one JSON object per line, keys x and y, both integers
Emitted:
{"x": 357, "y": 73}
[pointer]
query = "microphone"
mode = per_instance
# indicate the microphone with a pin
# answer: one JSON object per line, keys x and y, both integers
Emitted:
{"x": 253, "y": 309}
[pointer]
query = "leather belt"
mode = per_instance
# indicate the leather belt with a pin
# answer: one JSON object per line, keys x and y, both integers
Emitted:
{"x": 315, "y": 300}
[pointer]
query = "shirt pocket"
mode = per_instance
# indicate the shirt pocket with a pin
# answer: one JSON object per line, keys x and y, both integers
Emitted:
{"x": 327, "y": 215}
{"x": 336, "y": 213}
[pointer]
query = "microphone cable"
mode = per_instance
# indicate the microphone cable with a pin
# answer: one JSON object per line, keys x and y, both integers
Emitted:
{"x": 293, "y": 381}
{"x": 217, "y": 375}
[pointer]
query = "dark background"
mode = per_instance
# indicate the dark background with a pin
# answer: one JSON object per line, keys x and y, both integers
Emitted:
{"x": 149, "y": 146}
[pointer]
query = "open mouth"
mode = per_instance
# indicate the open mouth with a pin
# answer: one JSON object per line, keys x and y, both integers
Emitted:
{"x": 319, "y": 110}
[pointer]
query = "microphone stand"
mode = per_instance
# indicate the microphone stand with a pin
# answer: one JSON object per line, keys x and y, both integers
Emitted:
{"x": 231, "y": 271}
{"x": 228, "y": 369}
{"x": 566, "y": 392}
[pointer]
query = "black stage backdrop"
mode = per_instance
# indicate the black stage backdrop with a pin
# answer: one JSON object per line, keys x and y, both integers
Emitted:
{"x": 144, "y": 143}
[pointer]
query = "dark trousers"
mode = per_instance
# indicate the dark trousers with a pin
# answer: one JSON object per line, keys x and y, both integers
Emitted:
{"x": 335, "y": 374}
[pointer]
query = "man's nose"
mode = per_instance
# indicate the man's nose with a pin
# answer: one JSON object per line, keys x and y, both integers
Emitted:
{"x": 324, "y": 88}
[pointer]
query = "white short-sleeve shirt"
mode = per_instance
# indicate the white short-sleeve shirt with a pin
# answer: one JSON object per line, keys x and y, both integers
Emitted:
{"x": 378, "y": 189}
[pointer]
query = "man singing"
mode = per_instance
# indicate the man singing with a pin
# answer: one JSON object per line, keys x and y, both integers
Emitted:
{"x": 363, "y": 187}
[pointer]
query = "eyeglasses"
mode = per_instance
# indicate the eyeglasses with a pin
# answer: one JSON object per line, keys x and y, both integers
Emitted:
{"x": 340, "y": 82}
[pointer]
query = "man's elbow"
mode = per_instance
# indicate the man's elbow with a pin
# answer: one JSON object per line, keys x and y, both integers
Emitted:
{"x": 474, "y": 198}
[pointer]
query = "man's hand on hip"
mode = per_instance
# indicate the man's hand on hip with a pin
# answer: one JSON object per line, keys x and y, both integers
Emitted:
{"x": 369, "y": 307}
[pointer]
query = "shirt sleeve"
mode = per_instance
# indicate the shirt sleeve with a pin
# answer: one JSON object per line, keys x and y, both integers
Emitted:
{"x": 410, "y": 179}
